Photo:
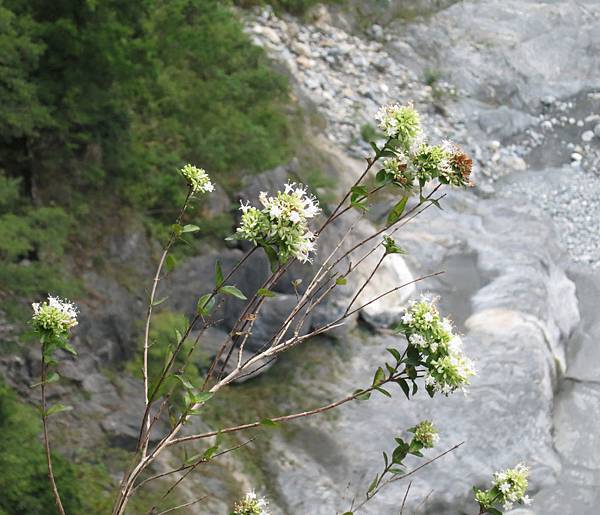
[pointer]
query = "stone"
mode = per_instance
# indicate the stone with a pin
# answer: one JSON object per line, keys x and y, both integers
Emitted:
{"x": 587, "y": 136}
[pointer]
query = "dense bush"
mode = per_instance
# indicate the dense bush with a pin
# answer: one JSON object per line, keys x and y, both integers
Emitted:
{"x": 101, "y": 101}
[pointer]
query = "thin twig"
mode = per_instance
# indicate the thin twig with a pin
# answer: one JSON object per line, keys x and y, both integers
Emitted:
{"x": 183, "y": 505}
{"x": 405, "y": 497}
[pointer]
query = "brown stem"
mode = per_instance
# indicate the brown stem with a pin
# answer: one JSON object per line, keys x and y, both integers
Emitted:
{"x": 367, "y": 281}
{"x": 163, "y": 257}
{"x": 55, "y": 493}
{"x": 284, "y": 418}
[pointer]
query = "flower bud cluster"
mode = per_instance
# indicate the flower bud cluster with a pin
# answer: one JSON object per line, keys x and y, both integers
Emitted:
{"x": 508, "y": 487}
{"x": 251, "y": 504}
{"x": 448, "y": 369}
{"x": 426, "y": 434}
{"x": 282, "y": 222}
{"x": 54, "y": 317}
{"x": 197, "y": 179}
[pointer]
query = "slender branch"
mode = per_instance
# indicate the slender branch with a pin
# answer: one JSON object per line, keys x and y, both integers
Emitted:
{"x": 405, "y": 497}
{"x": 403, "y": 476}
{"x": 163, "y": 257}
{"x": 284, "y": 418}
{"x": 183, "y": 505}
{"x": 367, "y": 281}
{"x": 55, "y": 493}
{"x": 193, "y": 465}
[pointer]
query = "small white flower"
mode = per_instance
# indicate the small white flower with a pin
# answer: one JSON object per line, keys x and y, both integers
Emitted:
{"x": 275, "y": 211}
{"x": 244, "y": 207}
{"x": 407, "y": 318}
{"x": 428, "y": 317}
{"x": 417, "y": 339}
{"x": 447, "y": 325}
{"x": 507, "y": 505}
{"x": 294, "y": 217}
{"x": 504, "y": 487}
{"x": 527, "y": 500}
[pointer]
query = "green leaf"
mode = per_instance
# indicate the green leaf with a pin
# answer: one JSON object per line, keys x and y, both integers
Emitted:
{"x": 189, "y": 228}
{"x": 160, "y": 301}
{"x": 361, "y": 395}
{"x": 381, "y": 177}
{"x": 373, "y": 484}
{"x": 218, "y": 274}
{"x": 379, "y": 376}
{"x": 263, "y": 292}
{"x": 57, "y": 408}
{"x": 233, "y": 291}
{"x": 400, "y": 453}
{"x": 267, "y": 422}
{"x": 210, "y": 452}
{"x": 69, "y": 348}
{"x": 374, "y": 147}
{"x": 170, "y": 263}
{"x": 192, "y": 459}
{"x": 404, "y": 385}
{"x": 384, "y": 392}
{"x": 397, "y": 211}
{"x": 202, "y": 397}
{"x": 186, "y": 384}
{"x": 341, "y": 281}
{"x": 205, "y": 304}
{"x": 272, "y": 256}
{"x": 395, "y": 353}
{"x": 176, "y": 228}
{"x": 52, "y": 378}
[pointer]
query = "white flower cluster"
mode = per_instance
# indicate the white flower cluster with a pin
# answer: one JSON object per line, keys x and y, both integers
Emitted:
{"x": 197, "y": 179}
{"x": 508, "y": 487}
{"x": 282, "y": 223}
{"x": 54, "y": 316}
{"x": 448, "y": 369}
{"x": 426, "y": 434}
{"x": 251, "y": 504}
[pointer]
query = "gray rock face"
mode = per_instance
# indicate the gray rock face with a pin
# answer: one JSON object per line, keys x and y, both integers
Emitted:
{"x": 518, "y": 74}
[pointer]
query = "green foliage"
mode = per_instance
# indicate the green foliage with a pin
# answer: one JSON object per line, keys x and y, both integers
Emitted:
{"x": 100, "y": 104}
{"x": 23, "y": 475}
{"x": 32, "y": 241}
{"x": 369, "y": 133}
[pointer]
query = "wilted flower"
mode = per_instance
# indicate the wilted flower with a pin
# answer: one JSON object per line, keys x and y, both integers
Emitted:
{"x": 251, "y": 504}
{"x": 197, "y": 179}
{"x": 508, "y": 487}
{"x": 54, "y": 316}
{"x": 399, "y": 169}
{"x": 448, "y": 369}
{"x": 425, "y": 434}
{"x": 282, "y": 223}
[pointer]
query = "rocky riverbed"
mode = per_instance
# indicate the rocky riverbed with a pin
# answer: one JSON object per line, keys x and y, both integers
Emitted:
{"x": 517, "y": 83}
